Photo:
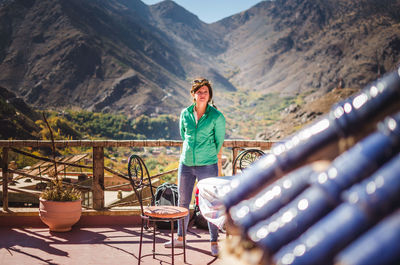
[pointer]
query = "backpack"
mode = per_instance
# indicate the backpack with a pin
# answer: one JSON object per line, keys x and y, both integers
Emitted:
{"x": 166, "y": 194}
{"x": 199, "y": 220}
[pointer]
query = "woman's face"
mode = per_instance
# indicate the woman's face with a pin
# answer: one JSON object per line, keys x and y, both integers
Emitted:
{"x": 202, "y": 95}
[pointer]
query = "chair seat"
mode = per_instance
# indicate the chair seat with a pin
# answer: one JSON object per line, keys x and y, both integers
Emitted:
{"x": 165, "y": 211}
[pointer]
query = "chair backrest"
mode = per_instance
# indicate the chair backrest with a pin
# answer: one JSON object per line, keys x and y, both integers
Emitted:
{"x": 140, "y": 180}
{"x": 246, "y": 158}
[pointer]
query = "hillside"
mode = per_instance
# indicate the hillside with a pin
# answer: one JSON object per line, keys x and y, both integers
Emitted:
{"x": 296, "y": 46}
{"x": 16, "y": 117}
{"x": 302, "y": 50}
{"x": 124, "y": 57}
{"x": 20, "y": 121}
{"x": 96, "y": 55}
{"x": 196, "y": 42}
{"x": 296, "y": 116}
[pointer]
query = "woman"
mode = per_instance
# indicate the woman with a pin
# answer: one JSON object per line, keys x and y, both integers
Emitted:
{"x": 202, "y": 129}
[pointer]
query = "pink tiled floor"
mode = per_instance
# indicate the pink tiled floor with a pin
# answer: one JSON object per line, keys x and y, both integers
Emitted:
{"x": 97, "y": 245}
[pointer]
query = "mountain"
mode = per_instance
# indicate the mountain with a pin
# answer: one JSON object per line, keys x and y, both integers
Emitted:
{"x": 122, "y": 56}
{"x": 102, "y": 55}
{"x": 16, "y": 117}
{"x": 298, "y": 51}
{"x": 294, "y": 45}
{"x": 196, "y": 42}
{"x": 97, "y": 55}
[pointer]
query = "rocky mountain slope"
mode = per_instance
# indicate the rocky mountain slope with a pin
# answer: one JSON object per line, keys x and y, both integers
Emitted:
{"x": 96, "y": 55}
{"x": 125, "y": 56}
{"x": 293, "y": 45}
{"x": 306, "y": 49}
{"x": 17, "y": 119}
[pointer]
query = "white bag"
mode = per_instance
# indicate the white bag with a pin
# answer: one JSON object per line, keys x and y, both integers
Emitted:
{"x": 210, "y": 202}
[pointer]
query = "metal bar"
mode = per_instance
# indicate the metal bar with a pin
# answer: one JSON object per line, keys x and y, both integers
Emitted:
{"x": 184, "y": 240}
{"x": 172, "y": 240}
{"x": 154, "y": 240}
{"x": 141, "y": 241}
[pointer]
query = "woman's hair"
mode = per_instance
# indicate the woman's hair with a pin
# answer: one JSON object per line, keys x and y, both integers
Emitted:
{"x": 197, "y": 83}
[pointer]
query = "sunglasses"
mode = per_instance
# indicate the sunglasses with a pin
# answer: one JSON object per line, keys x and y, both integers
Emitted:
{"x": 199, "y": 81}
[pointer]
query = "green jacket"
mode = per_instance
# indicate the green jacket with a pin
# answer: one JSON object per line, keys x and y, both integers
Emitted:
{"x": 201, "y": 142}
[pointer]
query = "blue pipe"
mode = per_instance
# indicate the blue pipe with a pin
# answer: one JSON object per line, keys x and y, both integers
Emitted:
{"x": 366, "y": 203}
{"x": 380, "y": 245}
{"x": 316, "y": 201}
{"x": 271, "y": 199}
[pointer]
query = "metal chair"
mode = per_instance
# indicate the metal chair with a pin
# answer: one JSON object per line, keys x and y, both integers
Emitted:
{"x": 245, "y": 158}
{"x": 141, "y": 183}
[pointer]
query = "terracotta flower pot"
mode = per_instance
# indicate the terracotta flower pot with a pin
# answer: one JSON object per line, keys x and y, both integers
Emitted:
{"x": 59, "y": 215}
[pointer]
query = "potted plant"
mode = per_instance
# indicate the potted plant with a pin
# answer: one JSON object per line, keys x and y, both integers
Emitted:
{"x": 59, "y": 205}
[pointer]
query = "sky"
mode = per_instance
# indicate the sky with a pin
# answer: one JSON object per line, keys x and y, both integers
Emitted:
{"x": 210, "y": 11}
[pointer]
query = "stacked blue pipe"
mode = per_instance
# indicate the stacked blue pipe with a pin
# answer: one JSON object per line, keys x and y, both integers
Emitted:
{"x": 346, "y": 213}
{"x": 379, "y": 245}
{"x": 364, "y": 205}
{"x": 324, "y": 194}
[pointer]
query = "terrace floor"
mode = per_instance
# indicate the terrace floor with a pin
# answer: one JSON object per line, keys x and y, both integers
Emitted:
{"x": 109, "y": 244}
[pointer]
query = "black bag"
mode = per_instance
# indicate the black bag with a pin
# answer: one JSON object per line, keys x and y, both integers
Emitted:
{"x": 166, "y": 194}
{"x": 199, "y": 220}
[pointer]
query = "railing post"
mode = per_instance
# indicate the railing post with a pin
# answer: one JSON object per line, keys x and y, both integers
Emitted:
{"x": 5, "y": 177}
{"x": 98, "y": 178}
{"x": 220, "y": 163}
{"x": 234, "y": 155}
